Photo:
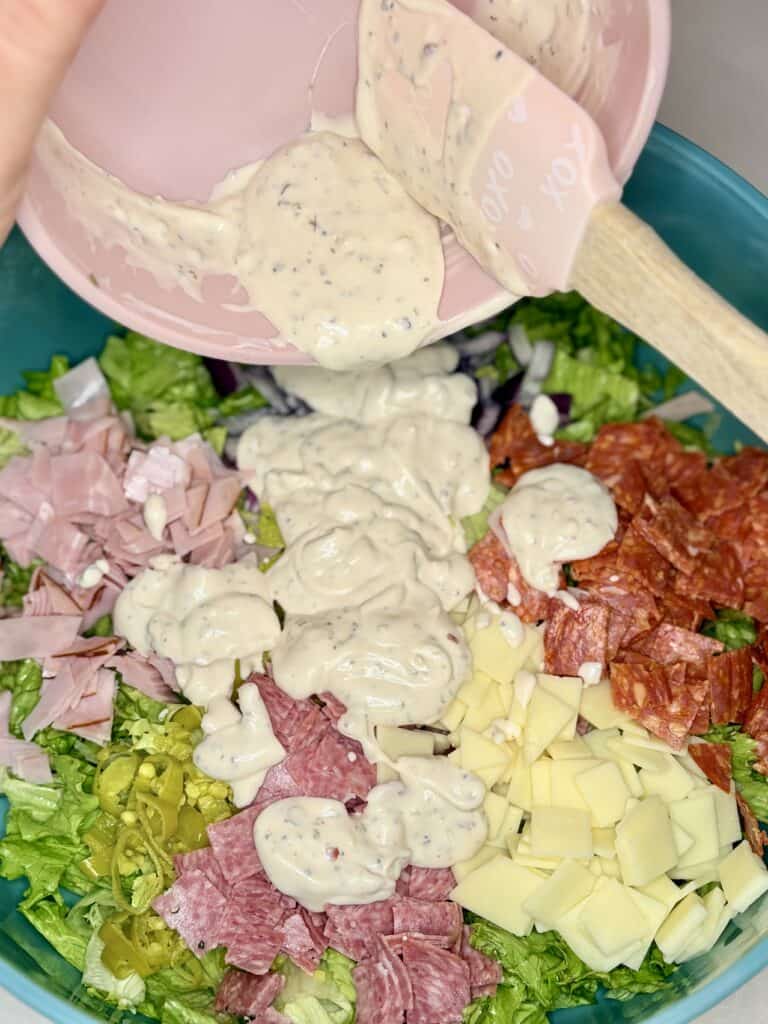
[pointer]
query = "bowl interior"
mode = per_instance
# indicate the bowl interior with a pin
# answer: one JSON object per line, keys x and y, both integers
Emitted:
{"x": 153, "y": 80}
{"x": 685, "y": 194}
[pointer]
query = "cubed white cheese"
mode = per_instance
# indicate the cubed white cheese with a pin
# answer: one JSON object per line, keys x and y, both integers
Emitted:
{"x": 405, "y": 742}
{"x": 509, "y": 827}
{"x": 490, "y": 776}
{"x": 605, "y": 792}
{"x": 612, "y": 918}
{"x": 474, "y": 690}
{"x": 561, "y": 832}
{"x": 519, "y": 789}
{"x": 479, "y": 752}
{"x": 681, "y": 925}
{"x": 568, "y": 885}
{"x": 497, "y": 891}
{"x": 565, "y": 792}
{"x": 495, "y": 808}
{"x": 575, "y": 934}
{"x": 696, "y": 815}
{"x": 670, "y": 781}
{"x": 541, "y": 782}
{"x": 743, "y": 876}
{"x": 683, "y": 841}
{"x": 604, "y": 842}
{"x": 634, "y": 754}
{"x": 728, "y": 823}
{"x": 466, "y": 867}
{"x": 569, "y": 750}
{"x": 546, "y": 717}
{"x": 598, "y": 740}
{"x": 645, "y": 844}
{"x": 568, "y": 690}
{"x": 632, "y": 779}
{"x": 479, "y": 716}
{"x": 663, "y": 890}
{"x": 598, "y": 708}
{"x": 506, "y": 696}
{"x": 654, "y": 912}
{"x": 710, "y": 931}
{"x": 492, "y": 653}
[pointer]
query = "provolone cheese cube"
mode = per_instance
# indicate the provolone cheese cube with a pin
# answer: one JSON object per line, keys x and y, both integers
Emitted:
{"x": 522, "y": 855}
{"x": 569, "y": 750}
{"x": 596, "y": 867}
{"x": 631, "y": 728}
{"x": 466, "y": 867}
{"x": 506, "y": 695}
{"x": 577, "y": 937}
{"x": 632, "y": 779}
{"x": 541, "y": 782}
{"x": 474, "y": 690}
{"x": 712, "y": 928}
{"x": 598, "y": 708}
{"x": 705, "y": 878}
{"x": 605, "y": 792}
{"x": 682, "y": 923}
{"x": 609, "y": 866}
{"x": 743, "y": 876}
{"x": 683, "y": 841}
{"x": 479, "y": 716}
{"x": 568, "y": 885}
{"x": 534, "y": 654}
{"x": 568, "y": 690}
{"x": 597, "y": 741}
{"x": 493, "y": 654}
{"x": 405, "y": 742}
{"x": 490, "y": 776}
{"x": 696, "y": 815}
{"x": 696, "y": 874}
{"x": 453, "y": 716}
{"x": 612, "y": 918}
{"x": 546, "y": 717}
{"x": 641, "y": 757}
{"x": 604, "y": 842}
{"x": 495, "y": 808}
{"x": 519, "y": 790}
{"x": 645, "y": 844}
{"x": 654, "y": 912}
{"x": 663, "y": 890}
{"x": 509, "y": 827}
{"x": 728, "y": 823}
{"x": 561, "y": 832}
{"x": 497, "y": 891}
{"x": 565, "y": 792}
{"x": 479, "y": 752}
{"x": 671, "y": 781}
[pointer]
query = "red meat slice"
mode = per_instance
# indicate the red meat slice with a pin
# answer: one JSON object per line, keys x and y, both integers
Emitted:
{"x": 353, "y": 930}
{"x": 205, "y": 861}
{"x": 716, "y": 761}
{"x": 251, "y": 930}
{"x": 674, "y": 532}
{"x": 247, "y": 996}
{"x": 756, "y": 718}
{"x": 601, "y": 566}
{"x": 756, "y": 590}
{"x": 384, "y": 993}
{"x": 484, "y": 973}
{"x": 712, "y": 492}
{"x": 533, "y": 604}
{"x": 619, "y": 444}
{"x": 296, "y": 723}
{"x": 730, "y": 681}
{"x": 335, "y": 768}
{"x": 425, "y": 918}
{"x": 635, "y": 606}
{"x": 430, "y": 883}
{"x": 301, "y": 942}
{"x": 572, "y": 638}
{"x": 643, "y": 562}
{"x": 194, "y": 908}
{"x": 491, "y": 564}
{"x": 717, "y": 578}
{"x": 668, "y": 644}
{"x": 756, "y": 837}
{"x": 440, "y": 981}
{"x": 515, "y": 448}
{"x": 233, "y": 846}
{"x": 658, "y": 697}
{"x": 686, "y": 612}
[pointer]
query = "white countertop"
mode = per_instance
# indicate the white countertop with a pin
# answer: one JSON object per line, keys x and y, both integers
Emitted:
{"x": 716, "y": 96}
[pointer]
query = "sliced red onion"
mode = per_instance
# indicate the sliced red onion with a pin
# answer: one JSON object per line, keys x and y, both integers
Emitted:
{"x": 224, "y": 375}
{"x": 250, "y": 500}
{"x": 520, "y": 345}
{"x": 81, "y": 386}
{"x": 493, "y": 402}
{"x": 237, "y": 425}
{"x": 480, "y": 345}
{"x": 563, "y": 404}
{"x": 682, "y": 407}
{"x": 543, "y": 352}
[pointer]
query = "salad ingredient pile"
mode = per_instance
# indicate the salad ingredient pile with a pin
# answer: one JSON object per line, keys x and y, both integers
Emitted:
{"x": 389, "y": 719}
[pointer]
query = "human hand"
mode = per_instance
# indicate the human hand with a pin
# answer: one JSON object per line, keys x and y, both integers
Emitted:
{"x": 38, "y": 39}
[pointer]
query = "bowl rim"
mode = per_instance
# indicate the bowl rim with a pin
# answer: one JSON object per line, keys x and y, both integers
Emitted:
{"x": 688, "y": 1007}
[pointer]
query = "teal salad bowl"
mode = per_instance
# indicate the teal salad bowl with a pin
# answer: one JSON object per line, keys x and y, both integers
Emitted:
{"x": 718, "y": 225}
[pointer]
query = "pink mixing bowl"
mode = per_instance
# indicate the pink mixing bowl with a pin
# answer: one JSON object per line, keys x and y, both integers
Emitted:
{"x": 169, "y": 96}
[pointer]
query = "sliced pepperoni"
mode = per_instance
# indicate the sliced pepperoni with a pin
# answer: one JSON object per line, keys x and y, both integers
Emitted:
{"x": 440, "y": 981}
{"x": 528, "y": 603}
{"x": 514, "y": 448}
{"x": 618, "y": 444}
{"x": 756, "y": 718}
{"x": 484, "y": 973}
{"x": 716, "y": 761}
{"x": 674, "y": 532}
{"x": 573, "y": 637}
{"x": 730, "y": 680}
{"x": 712, "y": 492}
{"x": 657, "y": 697}
{"x": 637, "y": 607}
{"x": 717, "y": 578}
{"x": 643, "y": 562}
{"x": 491, "y": 564}
{"x": 686, "y": 612}
{"x": 756, "y": 837}
{"x": 668, "y": 644}
{"x": 756, "y": 590}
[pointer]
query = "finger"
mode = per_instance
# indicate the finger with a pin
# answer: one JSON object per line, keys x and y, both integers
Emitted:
{"x": 38, "y": 40}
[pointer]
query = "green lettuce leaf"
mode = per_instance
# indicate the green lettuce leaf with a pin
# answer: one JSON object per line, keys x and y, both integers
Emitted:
{"x": 42, "y": 861}
{"x": 126, "y": 993}
{"x": 732, "y": 628}
{"x": 326, "y": 997}
{"x": 690, "y": 437}
{"x": 751, "y": 784}
{"x": 23, "y": 679}
{"x": 541, "y": 973}
{"x": 39, "y": 400}
{"x": 10, "y": 445}
{"x": 15, "y": 581}
{"x": 185, "y": 994}
{"x": 599, "y": 395}
{"x": 56, "y": 924}
{"x": 476, "y": 526}
{"x": 267, "y": 531}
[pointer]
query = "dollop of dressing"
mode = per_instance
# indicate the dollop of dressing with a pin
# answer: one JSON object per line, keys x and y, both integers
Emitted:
{"x": 320, "y": 237}
{"x": 315, "y": 851}
{"x": 554, "y": 515}
{"x": 202, "y": 619}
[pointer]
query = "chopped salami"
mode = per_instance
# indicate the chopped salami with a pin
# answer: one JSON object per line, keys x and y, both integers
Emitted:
{"x": 335, "y": 767}
{"x": 491, "y": 564}
{"x": 353, "y": 930}
{"x": 716, "y": 761}
{"x": 428, "y": 918}
{"x": 440, "y": 981}
{"x": 712, "y": 492}
{"x": 430, "y": 883}
{"x": 251, "y": 929}
{"x": 730, "y": 680}
{"x": 756, "y": 718}
{"x": 756, "y": 591}
{"x": 514, "y": 448}
{"x": 618, "y": 444}
{"x": 528, "y": 603}
{"x": 205, "y": 861}
{"x": 300, "y": 943}
{"x": 717, "y": 578}
{"x": 384, "y": 993}
{"x": 296, "y": 723}
{"x": 233, "y": 845}
{"x": 674, "y": 532}
{"x": 749, "y": 466}
{"x": 194, "y": 908}
{"x": 636, "y": 606}
{"x": 658, "y": 697}
{"x": 640, "y": 560}
{"x": 756, "y": 837}
{"x": 686, "y": 612}
{"x": 572, "y": 638}
{"x": 247, "y": 996}
{"x": 484, "y": 973}
{"x": 332, "y": 707}
{"x": 668, "y": 644}
{"x": 601, "y": 566}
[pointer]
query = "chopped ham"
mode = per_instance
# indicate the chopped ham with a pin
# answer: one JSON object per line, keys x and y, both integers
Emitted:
{"x": 36, "y": 637}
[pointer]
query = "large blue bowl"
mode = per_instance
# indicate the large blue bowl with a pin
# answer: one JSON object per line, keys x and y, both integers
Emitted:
{"x": 719, "y": 225}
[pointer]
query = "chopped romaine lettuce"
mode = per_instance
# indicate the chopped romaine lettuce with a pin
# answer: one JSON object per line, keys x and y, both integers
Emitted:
{"x": 690, "y": 437}
{"x": 39, "y": 400}
{"x": 185, "y": 993}
{"x": 23, "y": 679}
{"x": 732, "y": 628}
{"x": 751, "y": 784}
{"x": 10, "y": 445}
{"x": 326, "y": 997}
{"x": 127, "y": 992}
{"x": 15, "y": 580}
{"x": 599, "y": 395}
{"x": 476, "y": 526}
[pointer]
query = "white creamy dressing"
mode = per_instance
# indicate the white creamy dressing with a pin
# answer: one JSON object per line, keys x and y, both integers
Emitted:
{"x": 94, "y": 573}
{"x": 155, "y": 515}
{"x": 545, "y": 419}
{"x": 204, "y": 620}
{"x": 316, "y": 852}
{"x": 239, "y": 746}
{"x": 320, "y": 237}
{"x": 554, "y": 515}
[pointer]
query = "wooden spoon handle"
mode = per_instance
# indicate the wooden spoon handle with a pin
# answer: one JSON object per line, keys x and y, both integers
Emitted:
{"x": 624, "y": 269}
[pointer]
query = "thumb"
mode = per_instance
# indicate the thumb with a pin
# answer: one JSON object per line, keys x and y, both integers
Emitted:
{"x": 38, "y": 39}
